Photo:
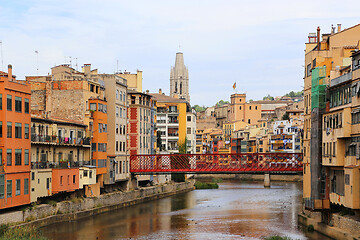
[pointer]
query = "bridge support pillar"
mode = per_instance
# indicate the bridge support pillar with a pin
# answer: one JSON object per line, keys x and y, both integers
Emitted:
{"x": 267, "y": 180}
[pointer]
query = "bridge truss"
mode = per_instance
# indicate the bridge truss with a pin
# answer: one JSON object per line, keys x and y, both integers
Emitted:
{"x": 275, "y": 163}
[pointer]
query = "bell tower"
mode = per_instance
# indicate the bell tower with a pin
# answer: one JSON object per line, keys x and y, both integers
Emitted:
{"x": 179, "y": 79}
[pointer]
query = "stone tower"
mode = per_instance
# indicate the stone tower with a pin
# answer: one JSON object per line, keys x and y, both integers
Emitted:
{"x": 179, "y": 79}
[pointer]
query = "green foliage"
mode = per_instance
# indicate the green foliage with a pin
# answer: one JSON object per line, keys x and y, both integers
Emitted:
{"x": 3, "y": 229}
{"x": 295, "y": 94}
{"x": 202, "y": 185}
{"x": 183, "y": 147}
{"x": 199, "y": 108}
{"x": 286, "y": 116}
{"x": 310, "y": 228}
{"x": 268, "y": 97}
{"x": 277, "y": 238}
{"x": 221, "y": 102}
{"x": 22, "y": 233}
{"x": 216, "y": 180}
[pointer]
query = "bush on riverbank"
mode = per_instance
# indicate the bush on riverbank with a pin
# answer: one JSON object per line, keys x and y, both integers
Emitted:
{"x": 20, "y": 233}
{"x": 277, "y": 238}
{"x": 202, "y": 185}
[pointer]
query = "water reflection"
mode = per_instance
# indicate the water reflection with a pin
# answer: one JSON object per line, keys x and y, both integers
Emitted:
{"x": 234, "y": 211}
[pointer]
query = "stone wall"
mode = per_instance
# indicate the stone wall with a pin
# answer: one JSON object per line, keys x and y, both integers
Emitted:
{"x": 251, "y": 177}
{"x": 341, "y": 227}
{"x": 69, "y": 210}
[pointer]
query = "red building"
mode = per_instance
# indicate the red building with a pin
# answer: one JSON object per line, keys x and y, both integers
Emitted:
{"x": 15, "y": 143}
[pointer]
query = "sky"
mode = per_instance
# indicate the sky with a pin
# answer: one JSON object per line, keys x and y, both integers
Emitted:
{"x": 259, "y": 44}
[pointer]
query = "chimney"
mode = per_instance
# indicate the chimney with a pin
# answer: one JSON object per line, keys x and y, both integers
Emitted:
{"x": 9, "y": 72}
{"x": 339, "y": 27}
{"x": 87, "y": 68}
{"x": 332, "y": 29}
{"x": 160, "y": 92}
{"x": 318, "y": 38}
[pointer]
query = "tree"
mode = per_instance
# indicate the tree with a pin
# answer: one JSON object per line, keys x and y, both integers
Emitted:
{"x": 221, "y": 102}
{"x": 158, "y": 140}
{"x": 268, "y": 97}
{"x": 293, "y": 94}
{"x": 199, "y": 108}
{"x": 286, "y": 116}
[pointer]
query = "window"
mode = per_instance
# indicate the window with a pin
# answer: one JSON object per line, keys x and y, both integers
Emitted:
{"x": 61, "y": 180}
{"x": 1, "y": 129}
{"x": 85, "y": 173}
{"x": 117, "y": 129}
{"x": 117, "y": 111}
{"x": 120, "y": 146}
{"x": 240, "y": 107}
{"x": 17, "y": 186}
{"x": 92, "y": 106}
{"x": 17, "y": 157}
{"x": 189, "y": 118}
{"x": 188, "y": 131}
{"x": 100, "y": 128}
{"x": 93, "y": 147}
{"x": 0, "y": 101}
{"x": 1, "y": 157}
{"x": 32, "y": 176}
{"x": 9, "y": 130}
{"x": 9, "y": 188}
{"x": 27, "y": 106}
{"x": 117, "y": 146}
{"x": 17, "y": 104}
{"x": 249, "y": 107}
{"x": 26, "y": 157}
{"x": 17, "y": 130}
{"x": 2, "y": 186}
{"x": 9, "y": 102}
{"x": 8, "y": 157}
{"x": 74, "y": 179}
{"x": 90, "y": 174}
{"x": 117, "y": 94}
{"x": 26, "y": 131}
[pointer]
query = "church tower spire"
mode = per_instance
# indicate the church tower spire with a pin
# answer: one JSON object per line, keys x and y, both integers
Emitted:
{"x": 179, "y": 78}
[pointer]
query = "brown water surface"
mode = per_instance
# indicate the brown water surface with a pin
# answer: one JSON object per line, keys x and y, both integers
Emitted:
{"x": 237, "y": 210}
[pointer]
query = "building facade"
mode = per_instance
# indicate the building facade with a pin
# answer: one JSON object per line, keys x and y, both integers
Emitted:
{"x": 15, "y": 144}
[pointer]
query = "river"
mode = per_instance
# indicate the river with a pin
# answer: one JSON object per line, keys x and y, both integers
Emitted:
{"x": 237, "y": 210}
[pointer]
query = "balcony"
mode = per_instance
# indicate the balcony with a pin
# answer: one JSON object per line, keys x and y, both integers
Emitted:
{"x": 47, "y": 139}
{"x": 341, "y": 79}
{"x": 61, "y": 164}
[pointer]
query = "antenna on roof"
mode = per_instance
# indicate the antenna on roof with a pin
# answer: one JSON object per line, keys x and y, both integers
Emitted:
{"x": 37, "y": 62}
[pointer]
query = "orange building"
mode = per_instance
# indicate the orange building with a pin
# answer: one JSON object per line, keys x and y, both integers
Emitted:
{"x": 65, "y": 180}
{"x": 15, "y": 142}
{"x": 98, "y": 109}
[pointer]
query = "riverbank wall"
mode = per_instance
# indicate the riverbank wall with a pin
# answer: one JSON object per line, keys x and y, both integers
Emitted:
{"x": 340, "y": 227}
{"x": 46, "y": 214}
{"x": 250, "y": 177}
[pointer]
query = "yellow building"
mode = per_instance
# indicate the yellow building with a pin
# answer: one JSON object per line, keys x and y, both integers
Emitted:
{"x": 329, "y": 55}
{"x": 171, "y": 121}
{"x": 325, "y": 158}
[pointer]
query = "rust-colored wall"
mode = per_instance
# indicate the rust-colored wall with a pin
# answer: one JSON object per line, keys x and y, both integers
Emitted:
{"x": 9, "y": 86}
{"x": 67, "y": 184}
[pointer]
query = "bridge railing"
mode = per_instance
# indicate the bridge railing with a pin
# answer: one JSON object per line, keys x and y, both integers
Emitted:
{"x": 197, "y": 163}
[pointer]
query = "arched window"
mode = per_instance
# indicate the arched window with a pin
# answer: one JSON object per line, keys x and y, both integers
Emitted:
{"x": 176, "y": 87}
{"x": 180, "y": 88}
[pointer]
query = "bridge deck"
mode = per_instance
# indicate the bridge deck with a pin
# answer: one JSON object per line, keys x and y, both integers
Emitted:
{"x": 274, "y": 163}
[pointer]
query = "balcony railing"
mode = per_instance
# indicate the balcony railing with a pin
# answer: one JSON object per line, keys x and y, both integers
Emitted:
{"x": 59, "y": 140}
{"x": 341, "y": 79}
{"x": 61, "y": 164}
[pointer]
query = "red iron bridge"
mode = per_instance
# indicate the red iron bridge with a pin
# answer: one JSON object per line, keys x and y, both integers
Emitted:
{"x": 274, "y": 163}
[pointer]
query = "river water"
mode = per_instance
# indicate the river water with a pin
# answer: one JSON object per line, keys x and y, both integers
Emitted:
{"x": 237, "y": 210}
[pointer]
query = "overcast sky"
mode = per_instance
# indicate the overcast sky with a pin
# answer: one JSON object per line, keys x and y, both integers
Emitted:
{"x": 259, "y": 44}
